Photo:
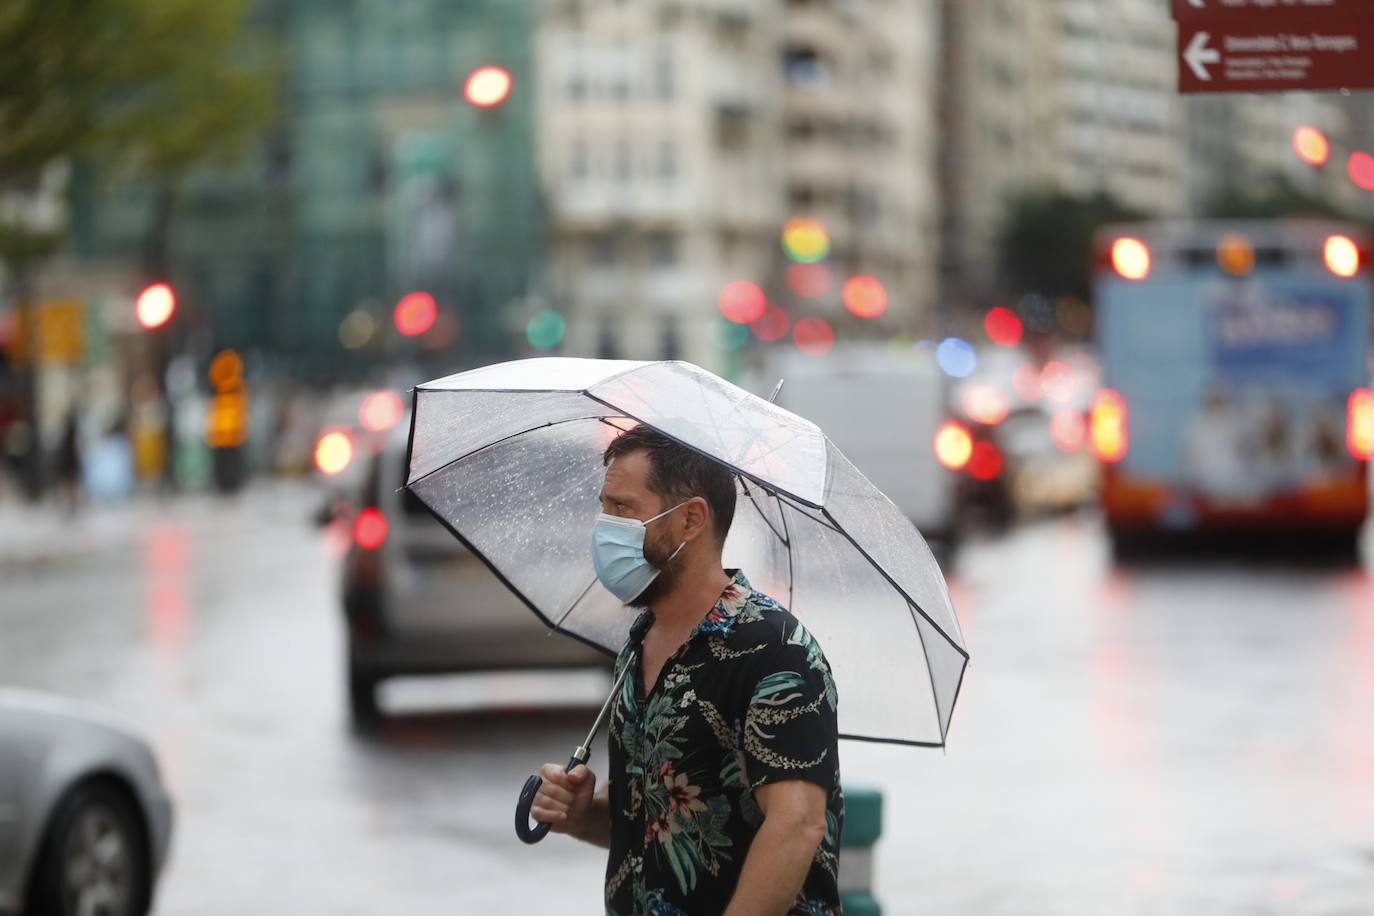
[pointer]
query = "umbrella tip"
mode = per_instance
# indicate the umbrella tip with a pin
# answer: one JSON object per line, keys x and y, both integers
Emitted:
{"x": 777, "y": 389}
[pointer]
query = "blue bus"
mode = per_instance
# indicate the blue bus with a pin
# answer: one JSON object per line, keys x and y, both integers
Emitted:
{"x": 1236, "y": 377}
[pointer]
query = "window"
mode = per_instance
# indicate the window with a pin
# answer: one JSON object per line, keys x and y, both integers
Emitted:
{"x": 603, "y": 250}
{"x": 664, "y": 76}
{"x": 580, "y": 163}
{"x": 663, "y": 249}
{"x": 803, "y": 66}
{"x": 624, "y": 161}
{"x": 667, "y": 161}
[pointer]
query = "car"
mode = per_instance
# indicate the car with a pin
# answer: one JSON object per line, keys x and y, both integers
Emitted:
{"x": 85, "y": 820}
{"x": 417, "y": 602}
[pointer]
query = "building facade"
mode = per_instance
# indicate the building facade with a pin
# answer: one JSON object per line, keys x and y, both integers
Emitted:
{"x": 677, "y": 138}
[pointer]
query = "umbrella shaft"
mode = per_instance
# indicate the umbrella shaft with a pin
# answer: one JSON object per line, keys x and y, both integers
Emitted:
{"x": 584, "y": 752}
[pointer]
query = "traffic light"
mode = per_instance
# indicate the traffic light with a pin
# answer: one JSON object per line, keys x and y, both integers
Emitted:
{"x": 487, "y": 87}
{"x": 155, "y": 306}
{"x": 415, "y": 313}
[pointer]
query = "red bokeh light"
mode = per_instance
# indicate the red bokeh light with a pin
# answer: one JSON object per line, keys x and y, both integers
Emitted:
{"x": 864, "y": 296}
{"x": 380, "y": 411}
{"x": 370, "y": 528}
{"x": 814, "y": 336}
{"x": 155, "y": 306}
{"x": 774, "y": 325}
{"x": 1026, "y": 381}
{"x": 1068, "y": 429}
{"x": 415, "y": 313}
{"x": 986, "y": 461}
{"x": 1003, "y": 327}
{"x": 487, "y": 87}
{"x": 742, "y": 302}
{"x": 1361, "y": 168}
{"x": 1058, "y": 381}
{"x": 809, "y": 280}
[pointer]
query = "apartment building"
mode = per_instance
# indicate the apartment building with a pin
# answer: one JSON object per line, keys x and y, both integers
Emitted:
{"x": 677, "y": 138}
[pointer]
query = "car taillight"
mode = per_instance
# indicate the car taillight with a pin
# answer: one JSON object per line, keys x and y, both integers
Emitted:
{"x": 1067, "y": 429}
{"x": 1342, "y": 256}
{"x": 1131, "y": 259}
{"x": 953, "y": 445}
{"x": 1359, "y": 424}
{"x": 986, "y": 461}
{"x": 370, "y": 528}
{"x": 985, "y": 404}
{"x": 334, "y": 451}
{"x": 1108, "y": 426}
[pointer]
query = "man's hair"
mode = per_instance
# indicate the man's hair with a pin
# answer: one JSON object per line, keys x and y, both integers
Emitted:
{"x": 677, "y": 473}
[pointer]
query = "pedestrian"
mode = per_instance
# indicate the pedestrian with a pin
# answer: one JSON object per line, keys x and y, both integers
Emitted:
{"x": 724, "y": 789}
{"x": 69, "y": 464}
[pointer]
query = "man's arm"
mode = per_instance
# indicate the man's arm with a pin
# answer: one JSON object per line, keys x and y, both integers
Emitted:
{"x": 781, "y": 853}
{"x": 573, "y": 804}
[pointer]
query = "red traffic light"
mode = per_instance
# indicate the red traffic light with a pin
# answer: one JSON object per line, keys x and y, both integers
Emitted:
{"x": 415, "y": 313}
{"x": 1003, "y": 326}
{"x": 155, "y": 306}
{"x": 487, "y": 87}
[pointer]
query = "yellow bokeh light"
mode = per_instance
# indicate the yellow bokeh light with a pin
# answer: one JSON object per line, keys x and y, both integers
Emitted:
{"x": 805, "y": 240}
{"x": 333, "y": 452}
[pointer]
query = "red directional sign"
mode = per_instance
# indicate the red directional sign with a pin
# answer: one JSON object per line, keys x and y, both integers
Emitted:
{"x": 1187, "y": 10}
{"x": 1292, "y": 50}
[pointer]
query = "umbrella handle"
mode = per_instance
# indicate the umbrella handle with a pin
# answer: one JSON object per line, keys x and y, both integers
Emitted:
{"x": 531, "y": 835}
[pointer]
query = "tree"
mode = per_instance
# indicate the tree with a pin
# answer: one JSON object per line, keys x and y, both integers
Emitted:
{"x": 1046, "y": 244}
{"x": 152, "y": 86}
{"x": 157, "y": 86}
{"x": 1277, "y": 199}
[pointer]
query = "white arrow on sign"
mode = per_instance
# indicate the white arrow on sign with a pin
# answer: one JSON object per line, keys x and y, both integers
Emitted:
{"x": 1198, "y": 54}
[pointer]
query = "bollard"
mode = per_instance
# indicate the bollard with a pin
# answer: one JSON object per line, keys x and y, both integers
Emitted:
{"x": 863, "y": 824}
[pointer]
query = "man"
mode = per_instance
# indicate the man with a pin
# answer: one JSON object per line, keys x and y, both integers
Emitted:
{"x": 725, "y": 788}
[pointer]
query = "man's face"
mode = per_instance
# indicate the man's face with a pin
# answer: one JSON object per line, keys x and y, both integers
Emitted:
{"x": 624, "y": 493}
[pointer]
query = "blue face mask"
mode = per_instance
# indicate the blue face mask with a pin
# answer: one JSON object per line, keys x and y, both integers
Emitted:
{"x": 618, "y": 554}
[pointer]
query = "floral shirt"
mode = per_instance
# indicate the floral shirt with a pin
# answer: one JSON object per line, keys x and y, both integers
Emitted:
{"x": 748, "y": 700}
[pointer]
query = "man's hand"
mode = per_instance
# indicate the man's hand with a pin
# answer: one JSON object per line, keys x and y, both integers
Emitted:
{"x": 570, "y": 804}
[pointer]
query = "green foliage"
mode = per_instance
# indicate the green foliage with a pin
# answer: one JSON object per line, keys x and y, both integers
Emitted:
{"x": 1046, "y": 242}
{"x": 1276, "y": 199}
{"x": 158, "y": 86}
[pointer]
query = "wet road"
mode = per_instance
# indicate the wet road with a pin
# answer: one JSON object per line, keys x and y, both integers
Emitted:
{"x": 1180, "y": 737}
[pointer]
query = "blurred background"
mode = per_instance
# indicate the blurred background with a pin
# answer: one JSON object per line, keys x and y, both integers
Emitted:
{"x": 1108, "y": 346}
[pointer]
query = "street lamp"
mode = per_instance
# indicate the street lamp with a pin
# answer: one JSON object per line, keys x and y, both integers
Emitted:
{"x": 155, "y": 306}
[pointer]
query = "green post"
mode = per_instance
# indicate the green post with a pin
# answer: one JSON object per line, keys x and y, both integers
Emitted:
{"x": 863, "y": 824}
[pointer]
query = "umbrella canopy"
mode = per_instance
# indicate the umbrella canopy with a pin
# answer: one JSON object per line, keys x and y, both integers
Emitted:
{"x": 508, "y": 457}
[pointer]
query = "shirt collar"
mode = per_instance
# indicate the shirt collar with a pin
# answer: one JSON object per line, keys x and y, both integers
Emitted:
{"x": 717, "y": 620}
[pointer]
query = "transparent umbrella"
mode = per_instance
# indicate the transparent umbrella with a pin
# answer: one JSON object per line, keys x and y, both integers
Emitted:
{"x": 508, "y": 457}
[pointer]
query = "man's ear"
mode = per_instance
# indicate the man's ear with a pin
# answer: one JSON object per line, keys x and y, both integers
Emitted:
{"x": 696, "y": 517}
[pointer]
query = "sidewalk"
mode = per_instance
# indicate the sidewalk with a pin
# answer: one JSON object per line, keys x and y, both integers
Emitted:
{"x": 33, "y": 535}
{"x": 46, "y": 534}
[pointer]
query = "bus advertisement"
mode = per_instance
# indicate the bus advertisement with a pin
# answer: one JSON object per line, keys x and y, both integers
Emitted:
{"x": 1236, "y": 377}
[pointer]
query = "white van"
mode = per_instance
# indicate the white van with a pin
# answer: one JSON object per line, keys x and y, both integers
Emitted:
{"x": 882, "y": 408}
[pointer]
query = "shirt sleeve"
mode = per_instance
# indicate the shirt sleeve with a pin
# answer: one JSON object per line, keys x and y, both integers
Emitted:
{"x": 791, "y": 729}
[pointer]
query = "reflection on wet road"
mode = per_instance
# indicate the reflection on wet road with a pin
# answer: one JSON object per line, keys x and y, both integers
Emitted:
{"x": 1168, "y": 737}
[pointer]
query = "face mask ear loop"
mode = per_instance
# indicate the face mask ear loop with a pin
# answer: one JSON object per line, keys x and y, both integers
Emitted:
{"x": 667, "y": 512}
{"x": 675, "y": 553}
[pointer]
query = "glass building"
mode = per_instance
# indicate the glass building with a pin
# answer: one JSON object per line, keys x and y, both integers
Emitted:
{"x": 379, "y": 178}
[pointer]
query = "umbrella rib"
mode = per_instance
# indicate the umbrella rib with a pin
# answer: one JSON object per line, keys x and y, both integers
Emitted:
{"x": 766, "y": 520}
{"x": 763, "y": 483}
{"x": 791, "y": 571}
{"x": 893, "y": 582}
{"x": 514, "y": 435}
{"x": 572, "y": 607}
